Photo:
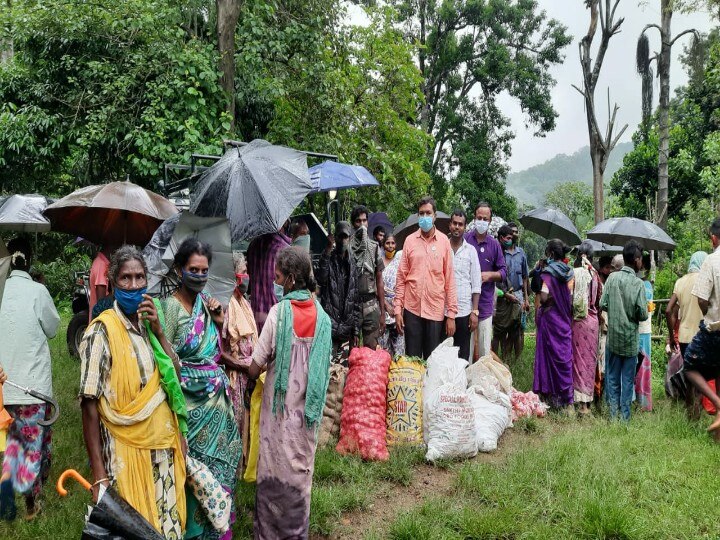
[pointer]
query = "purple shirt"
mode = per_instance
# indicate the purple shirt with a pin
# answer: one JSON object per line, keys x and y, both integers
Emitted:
{"x": 492, "y": 259}
{"x": 261, "y": 255}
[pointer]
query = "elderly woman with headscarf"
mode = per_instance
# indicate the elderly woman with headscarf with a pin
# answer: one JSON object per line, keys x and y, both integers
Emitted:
{"x": 132, "y": 405}
{"x": 27, "y": 320}
{"x": 683, "y": 312}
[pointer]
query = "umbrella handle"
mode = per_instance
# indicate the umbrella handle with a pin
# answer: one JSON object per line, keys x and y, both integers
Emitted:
{"x": 47, "y": 399}
{"x": 71, "y": 473}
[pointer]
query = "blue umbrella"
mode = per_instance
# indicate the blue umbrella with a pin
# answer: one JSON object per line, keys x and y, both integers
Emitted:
{"x": 334, "y": 176}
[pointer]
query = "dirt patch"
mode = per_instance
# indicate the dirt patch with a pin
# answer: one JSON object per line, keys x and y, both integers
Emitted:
{"x": 428, "y": 482}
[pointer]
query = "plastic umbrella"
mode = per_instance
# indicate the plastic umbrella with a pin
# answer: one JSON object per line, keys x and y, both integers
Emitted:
{"x": 112, "y": 517}
{"x": 24, "y": 213}
{"x": 257, "y": 187}
{"x": 160, "y": 252}
{"x": 111, "y": 214}
{"x": 551, "y": 223}
{"x": 379, "y": 218}
{"x": 410, "y": 225}
{"x": 333, "y": 176}
{"x": 619, "y": 231}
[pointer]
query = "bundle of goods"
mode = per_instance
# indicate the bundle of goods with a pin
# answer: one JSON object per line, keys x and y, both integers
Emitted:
{"x": 330, "y": 425}
{"x": 362, "y": 422}
{"x": 488, "y": 379}
{"x": 491, "y": 364}
{"x": 448, "y": 416}
{"x": 404, "y": 401}
{"x": 526, "y": 404}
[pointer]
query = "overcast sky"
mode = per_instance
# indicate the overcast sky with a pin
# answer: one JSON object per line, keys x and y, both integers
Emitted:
{"x": 618, "y": 72}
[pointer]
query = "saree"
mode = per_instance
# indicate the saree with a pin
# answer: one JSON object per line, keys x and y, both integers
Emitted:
{"x": 213, "y": 437}
{"x": 553, "y": 357}
{"x": 643, "y": 378}
{"x": 585, "y": 340}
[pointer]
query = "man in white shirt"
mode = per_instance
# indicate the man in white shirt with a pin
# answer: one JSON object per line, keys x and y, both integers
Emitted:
{"x": 702, "y": 362}
{"x": 468, "y": 282}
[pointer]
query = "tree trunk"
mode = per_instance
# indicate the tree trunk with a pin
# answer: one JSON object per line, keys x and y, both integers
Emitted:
{"x": 6, "y": 48}
{"x": 228, "y": 13}
{"x": 661, "y": 218}
{"x": 598, "y": 187}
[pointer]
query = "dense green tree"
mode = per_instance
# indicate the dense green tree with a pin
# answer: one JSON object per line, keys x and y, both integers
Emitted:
{"x": 575, "y": 200}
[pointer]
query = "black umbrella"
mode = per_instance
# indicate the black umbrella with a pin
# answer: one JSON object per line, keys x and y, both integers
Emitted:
{"x": 601, "y": 249}
{"x": 257, "y": 187}
{"x": 410, "y": 225}
{"x": 619, "y": 231}
{"x": 112, "y": 517}
{"x": 550, "y": 223}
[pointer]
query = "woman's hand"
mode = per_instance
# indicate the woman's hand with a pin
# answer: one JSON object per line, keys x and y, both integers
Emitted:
{"x": 147, "y": 312}
{"x": 216, "y": 310}
{"x": 184, "y": 445}
{"x": 95, "y": 489}
{"x": 3, "y": 375}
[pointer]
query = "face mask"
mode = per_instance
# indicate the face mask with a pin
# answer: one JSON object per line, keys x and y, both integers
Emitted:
{"x": 194, "y": 282}
{"x": 481, "y": 226}
{"x": 425, "y": 223}
{"x": 507, "y": 243}
{"x": 361, "y": 231}
{"x": 642, "y": 274}
{"x": 302, "y": 241}
{"x": 242, "y": 279}
{"x": 129, "y": 300}
{"x": 280, "y": 290}
{"x": 390, "y": 254}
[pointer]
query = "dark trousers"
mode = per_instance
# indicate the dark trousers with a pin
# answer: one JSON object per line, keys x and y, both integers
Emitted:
{"x": 422, "y": 336}
{"x": 461, "y": 338}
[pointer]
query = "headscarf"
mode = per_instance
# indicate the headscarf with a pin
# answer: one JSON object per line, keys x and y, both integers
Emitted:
{"x": 362, "y": 249}
{"x": 560, "y": 270}
{"x": 696, "y": 261}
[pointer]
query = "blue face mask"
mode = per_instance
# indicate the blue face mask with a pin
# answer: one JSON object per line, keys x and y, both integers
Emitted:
{"x": 129, "y": 300}
{"x": 425, "y": 223}
{"x": 279, "y": 291}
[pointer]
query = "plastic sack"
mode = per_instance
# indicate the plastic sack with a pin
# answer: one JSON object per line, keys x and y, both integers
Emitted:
{"x": 404, "y": 402}
{"x": 490, "y": 365}
{"x": 250, "y": 474}
{"x": 362, "y": 422}
{"x": 444, "y": 366}
{"x": 450, "y": 424}
{"x": 491, "y": 420}
{"x": 330, "y": 425}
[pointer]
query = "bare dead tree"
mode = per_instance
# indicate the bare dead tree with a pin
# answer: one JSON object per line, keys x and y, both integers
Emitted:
{"x": 663, "y": 72}
{"x": 228, "y": 14}
{"x": 601, "y": 144}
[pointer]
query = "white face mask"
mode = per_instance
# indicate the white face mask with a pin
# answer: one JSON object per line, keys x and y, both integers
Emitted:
{"x": 481, "y": 226}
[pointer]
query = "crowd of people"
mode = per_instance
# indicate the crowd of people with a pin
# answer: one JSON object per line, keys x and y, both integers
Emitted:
{"x": 166, "y": 384}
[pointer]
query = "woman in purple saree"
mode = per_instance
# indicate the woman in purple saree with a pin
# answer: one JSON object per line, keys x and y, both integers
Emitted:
{"x": 553, "y": 282}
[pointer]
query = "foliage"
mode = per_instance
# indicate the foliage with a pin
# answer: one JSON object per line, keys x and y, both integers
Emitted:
{"x": 97, "y": 91}
{"x": 575, "y": 200}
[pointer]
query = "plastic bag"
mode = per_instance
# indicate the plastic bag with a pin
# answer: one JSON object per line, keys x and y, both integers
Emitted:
{"x": 450, "y": 424}
{"x": 491, "y": 420}
{"x": 330, "y": 425}
{"x": 362, "y": 422}
{"x": 490, "y": 365}
{"x": 250, "y": 474}
{"x": 526, "y": 404}
{"x": 404, "y": 402}
{"x": 444, "y": 366}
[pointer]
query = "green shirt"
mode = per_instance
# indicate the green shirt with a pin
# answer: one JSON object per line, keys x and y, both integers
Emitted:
{"x": 624, "y": 300}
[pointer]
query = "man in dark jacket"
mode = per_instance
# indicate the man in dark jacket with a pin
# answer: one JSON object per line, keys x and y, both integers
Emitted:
{"x": 338, "y": 280}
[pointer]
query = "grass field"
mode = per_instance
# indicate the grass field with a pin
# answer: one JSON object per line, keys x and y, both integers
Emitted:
{"x": 557, "y": 477}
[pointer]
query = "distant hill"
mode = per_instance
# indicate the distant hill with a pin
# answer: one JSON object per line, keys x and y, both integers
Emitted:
{"x": 531, "y": 185}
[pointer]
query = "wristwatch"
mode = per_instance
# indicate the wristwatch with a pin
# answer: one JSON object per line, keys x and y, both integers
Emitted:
{"x": 475, "y": 312}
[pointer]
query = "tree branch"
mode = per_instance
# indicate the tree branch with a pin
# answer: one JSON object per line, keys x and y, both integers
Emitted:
{"x": 681, "y": 34}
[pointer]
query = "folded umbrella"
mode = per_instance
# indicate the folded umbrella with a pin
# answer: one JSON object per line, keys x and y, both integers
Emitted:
{"x": 410, "y": 225}
{"x": 112, "y": 517}
{"x": 160, "y": 252}
{"x": 24, "y": 213}
{"x": 111, "y": 214}
{"x": 256, "y": 187}
{"x": 334, "y": 176}
{"x": 619, "y": 231}
{"x": 551, "y": 223}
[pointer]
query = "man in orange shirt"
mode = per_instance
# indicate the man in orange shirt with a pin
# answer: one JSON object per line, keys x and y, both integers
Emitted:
{"x": 425, "y": 287}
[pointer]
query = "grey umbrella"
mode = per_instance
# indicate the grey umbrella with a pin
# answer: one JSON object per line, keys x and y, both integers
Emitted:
{"x": 160, "y": 252}
{"x": 551, "y": 223}
{"x": 24, "y": 213}
{"x": 256, "y": 187}
{"x": 619, "y": 231}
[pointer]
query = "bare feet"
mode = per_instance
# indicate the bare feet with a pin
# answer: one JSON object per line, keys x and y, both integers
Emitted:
{"x": 716, "y": 423}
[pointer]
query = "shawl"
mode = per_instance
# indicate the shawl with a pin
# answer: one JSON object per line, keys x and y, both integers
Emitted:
{"x": 318, "y": 364}
{"x": 138, "y": 427}
{"x": 239, "y": 322}
{"x": 362, "y": 250}
{"x": 696, "y": 261}
{"x": 560, "y": 270}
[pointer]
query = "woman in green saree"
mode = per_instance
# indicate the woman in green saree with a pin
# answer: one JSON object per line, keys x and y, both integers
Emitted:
{"x": 213, "y": 438}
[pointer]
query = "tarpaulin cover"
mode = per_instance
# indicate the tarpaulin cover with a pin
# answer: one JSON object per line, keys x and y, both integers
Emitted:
{"x": 160, "y": 252}
{"x": 257, "y": 187}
